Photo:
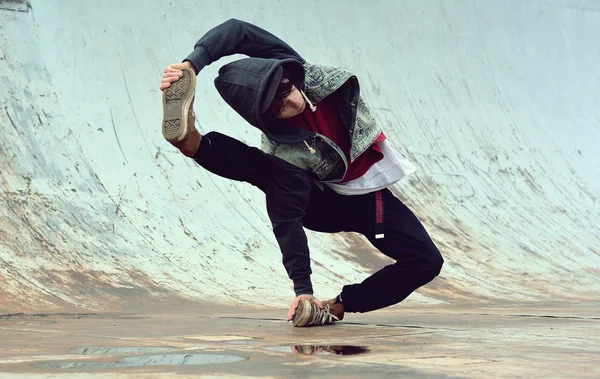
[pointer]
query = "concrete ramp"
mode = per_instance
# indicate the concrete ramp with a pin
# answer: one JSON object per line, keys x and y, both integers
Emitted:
{"x": 495, "y": 102}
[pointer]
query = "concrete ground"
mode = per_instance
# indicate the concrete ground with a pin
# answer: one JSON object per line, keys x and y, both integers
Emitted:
{"x": 495, "y": 102}
{"x": 507, "y": 341}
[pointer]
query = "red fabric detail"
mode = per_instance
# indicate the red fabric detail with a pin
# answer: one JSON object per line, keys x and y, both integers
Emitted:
{"x": 326, "y": 121}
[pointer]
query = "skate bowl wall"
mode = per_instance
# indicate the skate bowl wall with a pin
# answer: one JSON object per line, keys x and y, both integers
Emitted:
{"x": 496, "y": 103}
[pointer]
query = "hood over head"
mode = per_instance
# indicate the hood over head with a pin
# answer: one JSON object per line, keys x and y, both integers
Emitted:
{"x": 248, "y": 85}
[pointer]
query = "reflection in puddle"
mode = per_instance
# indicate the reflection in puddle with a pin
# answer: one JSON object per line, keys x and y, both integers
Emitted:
{"x": 148, "y": 360}
{"x": 118, "y": 350}
{"x": 320, "y": 349}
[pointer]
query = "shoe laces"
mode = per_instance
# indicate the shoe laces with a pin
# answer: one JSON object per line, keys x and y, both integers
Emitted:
{"x": 322, "y": 316}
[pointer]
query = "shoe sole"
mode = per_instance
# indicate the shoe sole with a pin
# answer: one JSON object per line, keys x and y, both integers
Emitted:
{"x": 176, "y": 104}
{"x": 303, "y": 312}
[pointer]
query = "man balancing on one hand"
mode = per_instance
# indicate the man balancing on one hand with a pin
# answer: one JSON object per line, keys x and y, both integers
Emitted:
{"x": 325, "y": 164}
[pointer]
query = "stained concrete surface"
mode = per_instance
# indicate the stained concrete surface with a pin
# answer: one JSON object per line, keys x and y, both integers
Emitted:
{"x": 436, "y": 342}
{"x": 496, "y": 103}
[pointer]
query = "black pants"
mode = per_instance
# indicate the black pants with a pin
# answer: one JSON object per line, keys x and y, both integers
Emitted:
{"x": 405, "y": 240}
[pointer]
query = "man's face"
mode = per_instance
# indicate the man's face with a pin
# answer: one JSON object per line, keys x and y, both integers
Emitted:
{"x": 292, "y": 105}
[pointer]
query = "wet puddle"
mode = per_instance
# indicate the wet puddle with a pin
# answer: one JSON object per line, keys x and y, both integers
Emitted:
{"x": 121, "y": 350}
{"x": 148, "y": 360}
{"x": 320, "y": 349}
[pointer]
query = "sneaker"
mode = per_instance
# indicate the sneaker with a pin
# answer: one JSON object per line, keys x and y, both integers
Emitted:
{"x": 307, "y": 349}
{"x": 178, "y": 114}
{"x": 336, "y": 309}
{"x": 308, "y": 314}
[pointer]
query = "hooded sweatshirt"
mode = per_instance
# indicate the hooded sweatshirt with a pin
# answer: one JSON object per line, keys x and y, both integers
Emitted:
{"x": 243, "y": 83}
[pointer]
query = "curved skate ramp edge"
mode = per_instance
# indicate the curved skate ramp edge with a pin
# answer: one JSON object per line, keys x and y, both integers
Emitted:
{"x": 496, "y": 103}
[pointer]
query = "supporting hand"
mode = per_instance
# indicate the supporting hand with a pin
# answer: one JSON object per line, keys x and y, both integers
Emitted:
{"x": 292, "y": 309}
{"x": 173, "y": 73}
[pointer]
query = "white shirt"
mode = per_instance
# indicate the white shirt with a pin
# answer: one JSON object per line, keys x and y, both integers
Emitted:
{"x": 392, "y": 168}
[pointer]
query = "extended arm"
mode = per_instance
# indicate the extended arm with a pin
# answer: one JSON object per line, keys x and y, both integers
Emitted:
{"x": 287, "y": 199}
{"x": 238, "y": 37}
{"x": 287, "y": 190}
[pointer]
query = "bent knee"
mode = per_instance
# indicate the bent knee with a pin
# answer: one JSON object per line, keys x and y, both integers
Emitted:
{"x": 436, "y": 261}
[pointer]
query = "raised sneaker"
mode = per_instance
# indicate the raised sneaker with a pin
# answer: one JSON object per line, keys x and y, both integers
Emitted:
{"x": 178, "y": 114}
